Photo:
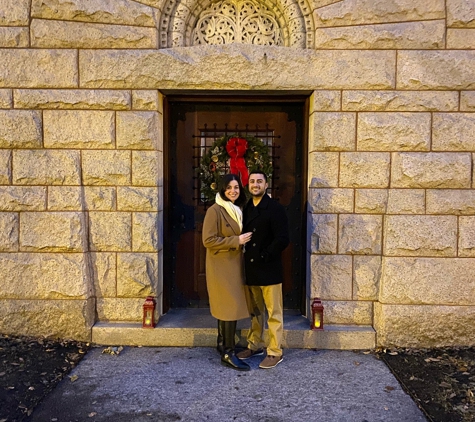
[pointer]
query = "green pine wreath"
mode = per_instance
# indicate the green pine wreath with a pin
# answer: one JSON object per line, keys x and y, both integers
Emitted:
{"x": 215, "y": 163}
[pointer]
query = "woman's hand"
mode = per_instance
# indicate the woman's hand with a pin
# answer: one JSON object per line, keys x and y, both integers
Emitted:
{"x": 244, "y": 238}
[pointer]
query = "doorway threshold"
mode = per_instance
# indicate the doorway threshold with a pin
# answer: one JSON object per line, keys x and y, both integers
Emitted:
{"x": 195, "y": 327}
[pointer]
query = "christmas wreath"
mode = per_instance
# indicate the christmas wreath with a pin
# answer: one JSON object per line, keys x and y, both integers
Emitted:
{"x": 232, "y": 154}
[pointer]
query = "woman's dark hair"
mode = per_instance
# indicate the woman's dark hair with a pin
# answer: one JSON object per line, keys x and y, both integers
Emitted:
{"x": 226, "y": 179}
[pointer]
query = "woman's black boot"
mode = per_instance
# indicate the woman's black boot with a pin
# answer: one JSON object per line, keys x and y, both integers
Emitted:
{"x": 219, "y": 343}
{"x": 228, "y": 358}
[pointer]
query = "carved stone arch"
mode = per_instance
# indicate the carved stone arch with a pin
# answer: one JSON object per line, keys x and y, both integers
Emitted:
{"x": 280, "y": 22}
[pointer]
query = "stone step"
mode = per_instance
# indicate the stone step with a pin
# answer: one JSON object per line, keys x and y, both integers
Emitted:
{"x": 196, "y": 327}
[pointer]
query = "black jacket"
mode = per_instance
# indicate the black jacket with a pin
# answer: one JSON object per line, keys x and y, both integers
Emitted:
{"x": 270, "y": 236}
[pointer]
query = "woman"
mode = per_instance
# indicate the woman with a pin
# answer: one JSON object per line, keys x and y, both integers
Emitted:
{"x": 223, "y": 241}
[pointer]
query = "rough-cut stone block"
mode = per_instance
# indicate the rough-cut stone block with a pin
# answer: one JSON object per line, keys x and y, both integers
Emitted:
{"x": 48, "y": 318}
{"x": 147, "y": 231}
{"x": 5, "y": 167}
{"x": 6, "y": 98}
{"x": 406, "y": 201}
{"x": 366, "y": 277}
{"x": 442, "y": 69}
{"x": 325, "y": 100}
{"x": 450, "y": 201}
{"x": 363, "y": 12}
{"x": 332, "y": 131}
{"x": 131, "y": 198}
{"x": 40, "y": 167}
{"x": 323, "y": 169}
{"x": 61, "y": 34}
{"x": 18, "y": 37}
{"x": 371, "y": 201}
{"x": 348, "y": 312}
{"x": 145, "y": 100}
{"x": 420, "y": 235}
{"x": 110, "y": 231}
{"x": 406, "y": 35}
{"x": 360, "y": 234}
{"x": 147, "y": 168}
{"x": 106, "y": 167}
{"x": 424, "y": 326}
{"x": 254, "y": 67}
{"x": 323, "y": 233}
{"x": 453, "y": 132}
{"x": 124, "y": 12}
{"x": 49, "y": 276}
{"x": 400, "y": 101}
{"x": 103, "y": 265}
{"x": 9, "y": 227}
{"x": 38, "y": 68}
{"x": 15, "y": 13}
{"x": 431, "y": 170}
{"x": 137, "y": 274}
{"x": 364, "y": 169}
{"x": 120, "y": 309}
{"x": 467, "y": 101}
{"x": 139, "y": 130}
{"x": 20, "y": 129}
{"x": 78, "y": 129}
{"x": 75, "y": 198}
{"x": 461, "y": 39}
{"x": 72, "y": 99}
{"x": 467, "y": 236}
{"x": 460, "y": 14}
{"x": 428, "y": 281}
{"x": 331, "y": 277}
{"x": 52, "y": 232}
{"x": 22, "y": 198}
{"x": 325, "y": 201}
{"x": 393, "y": 131}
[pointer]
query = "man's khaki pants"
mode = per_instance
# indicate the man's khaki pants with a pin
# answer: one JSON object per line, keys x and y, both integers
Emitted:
{"x": 270, "y": 298}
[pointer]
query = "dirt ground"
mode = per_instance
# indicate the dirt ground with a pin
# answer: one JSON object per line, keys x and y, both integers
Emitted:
{"x": 440, "y": 381}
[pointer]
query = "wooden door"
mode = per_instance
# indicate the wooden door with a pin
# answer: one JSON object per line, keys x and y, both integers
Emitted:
{"x": 192, "y": 124}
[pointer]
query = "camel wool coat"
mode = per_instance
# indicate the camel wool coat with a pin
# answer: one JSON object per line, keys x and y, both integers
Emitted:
{"x": 224, "y": 266}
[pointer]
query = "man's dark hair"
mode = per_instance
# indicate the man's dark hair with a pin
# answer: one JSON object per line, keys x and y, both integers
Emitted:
{"x": 228, "y": 178}
{"x": 257, "y": 171}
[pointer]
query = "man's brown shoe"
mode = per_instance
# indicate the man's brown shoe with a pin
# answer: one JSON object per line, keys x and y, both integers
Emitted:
{"x": 270, "y": 361}
{"x": 248, "y": 353}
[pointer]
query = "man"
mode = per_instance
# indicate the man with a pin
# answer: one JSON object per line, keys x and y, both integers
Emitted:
{"x": 267, "y": 221}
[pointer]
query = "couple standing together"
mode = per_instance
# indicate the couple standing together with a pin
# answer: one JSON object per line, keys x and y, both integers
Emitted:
{"x": 260, "y": 230}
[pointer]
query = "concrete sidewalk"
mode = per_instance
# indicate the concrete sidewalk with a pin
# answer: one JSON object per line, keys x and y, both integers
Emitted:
{"x": 189, "y": 384}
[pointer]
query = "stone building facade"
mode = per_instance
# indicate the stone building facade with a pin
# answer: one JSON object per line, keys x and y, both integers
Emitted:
{"x": 391, "y": 151}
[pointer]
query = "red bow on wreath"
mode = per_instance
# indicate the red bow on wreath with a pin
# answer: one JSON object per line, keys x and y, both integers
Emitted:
{"x": 236, "y": 148}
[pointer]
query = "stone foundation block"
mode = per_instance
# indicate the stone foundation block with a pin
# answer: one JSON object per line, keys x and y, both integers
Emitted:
{"x": 371, "y": 201}
{"x": 120, "y": 309}
{"x": 331, "y": 277}
{"x": 5, "y": 167}
{"x": 348, "y": 312}
{"x": 9, "y": 228}
{"x": 424, "y": 326}
{"x": 394, "y": 131}
{"x": 420, "y": 235}
{"x": 453, "y": 132}
{"x": 431, "y": 170}
{"x": 103, "y": 266}
{"x": 360, "y": 234}
{"x": 43, "y": 276}
{"x": 463, "y": 39}
{"x": 139, "y": 130}
{"x": 42, "y": 167}
{"x": 107, "y": 168}
{"x": 406, "y": 201}
{"x": 15, "y": 13}
{"x": 6, "y": 98}
{"x": 137, "y": 198}
{"x": 460, "y": 14}
{"x": 72, "y": 99}
{"x": 330, "y": 201}
{"x": 110, "y": 231}
{"x": 14, "y": 37}
{"x": 428, "y": 281}
{"x": 467, "y": 101}
{"x": 400, "y": 101}
{"x": 145, "y": 100}
{"x": 467, "y": 236}
{"x": 323, "y": 169}
{"x": 22, "y": 198}
{"x": 325, "y": 100}
{"x": 147, "y": 168}
{"x": 20, "y": 129}
{"x": 332, "y": 131}
{"x": 147, "y": 231}
{"x": 366, "y": 277}
{"x": 79, "y": 129}
{"x": 48, "y": 318}
{"x": 450, "y": 201}
{"x": 137, "y": 275}
{"x": 323, "y": 229}
{"x": 52, "y": 232}
{"x": 364, "y": 169}
{"x": 81, "y": 198}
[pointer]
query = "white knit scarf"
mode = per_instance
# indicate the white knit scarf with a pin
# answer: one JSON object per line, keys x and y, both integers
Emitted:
{"x": 233, "y": 210}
